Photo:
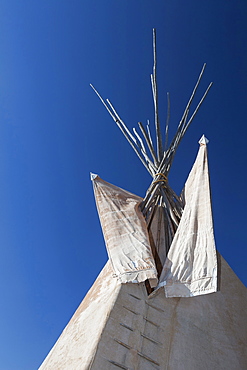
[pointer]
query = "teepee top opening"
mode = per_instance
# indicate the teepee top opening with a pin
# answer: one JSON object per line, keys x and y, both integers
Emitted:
{"x": 157, "y": 157}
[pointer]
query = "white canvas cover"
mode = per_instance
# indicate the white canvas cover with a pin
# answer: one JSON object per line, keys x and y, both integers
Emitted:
{"x": 190, "y": 268}
{"x": 125, "y": 233}
{"x": 118, "y": 326}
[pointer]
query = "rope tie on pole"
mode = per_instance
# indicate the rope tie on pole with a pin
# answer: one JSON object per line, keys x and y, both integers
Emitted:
{"x": 165, "y": 179}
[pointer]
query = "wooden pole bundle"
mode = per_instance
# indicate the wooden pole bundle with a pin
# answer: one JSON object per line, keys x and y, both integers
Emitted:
{"x": 158, "y": 160}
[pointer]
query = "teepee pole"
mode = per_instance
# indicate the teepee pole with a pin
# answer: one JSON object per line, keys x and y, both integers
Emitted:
{"x": 129, "y": 137}
{"x": 144, "y": 153}
{"x": 197, "y": 108}
{"x": 149, "y": 143}
{"x": 192, "y": 95}
{"x": 167, "y": 121}
{"x": 155, "y": 98}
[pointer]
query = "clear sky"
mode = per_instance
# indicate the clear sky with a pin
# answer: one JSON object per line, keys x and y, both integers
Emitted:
{"x": 54, "y": 131}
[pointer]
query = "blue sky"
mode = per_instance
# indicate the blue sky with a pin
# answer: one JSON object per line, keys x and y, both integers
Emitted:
{"x": 54, "y": 131}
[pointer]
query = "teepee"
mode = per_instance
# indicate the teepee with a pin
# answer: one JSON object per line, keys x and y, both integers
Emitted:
{"x": 165, "y": 299}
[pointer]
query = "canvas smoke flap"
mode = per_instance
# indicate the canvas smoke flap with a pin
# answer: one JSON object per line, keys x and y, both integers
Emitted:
{"x": 191, "y": 265}
{"x": 125, "y": 233}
